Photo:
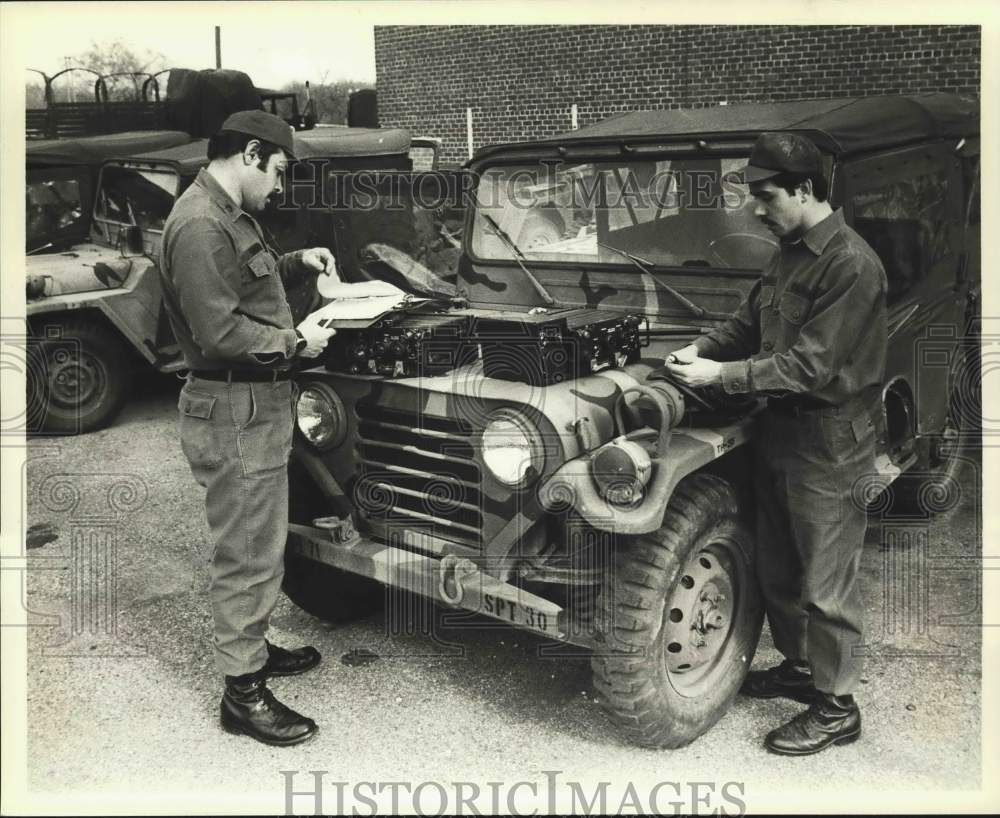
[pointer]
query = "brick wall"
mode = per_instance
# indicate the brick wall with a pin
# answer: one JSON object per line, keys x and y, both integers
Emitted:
{"x": 521, "y": 80}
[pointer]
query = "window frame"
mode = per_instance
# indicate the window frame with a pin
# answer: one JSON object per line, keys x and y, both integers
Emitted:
{"x": 79, "y": 230}
{"x": 876, "y": 171}
{"x": 736, "y": 151}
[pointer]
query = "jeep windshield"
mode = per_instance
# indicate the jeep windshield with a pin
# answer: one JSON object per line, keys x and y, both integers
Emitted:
{"x": 678, "y": 212}
{"x": 54, "y": 210}
{"x": 130, "y": 196}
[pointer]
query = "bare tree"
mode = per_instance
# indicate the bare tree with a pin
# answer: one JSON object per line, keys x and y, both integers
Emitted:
{"x": 330, "y": 98}
{"x": 108, "y": 58}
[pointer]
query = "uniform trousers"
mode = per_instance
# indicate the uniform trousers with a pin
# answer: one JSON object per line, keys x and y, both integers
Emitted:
{"x": 811, "y": 522}
{"x": 237, "y": 438}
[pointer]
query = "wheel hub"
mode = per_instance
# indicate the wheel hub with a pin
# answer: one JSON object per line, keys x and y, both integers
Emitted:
{"x": 699, "y": 614}
{"x": 73, "y": 379}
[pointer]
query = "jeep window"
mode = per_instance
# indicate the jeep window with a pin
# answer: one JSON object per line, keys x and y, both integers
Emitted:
{"x": 51, "y": 207}
{"x": 906, "y": 223}
{"x": 687, "y": 212}
{"x": 399, "y": 226}
{"x": 134, "y": 196}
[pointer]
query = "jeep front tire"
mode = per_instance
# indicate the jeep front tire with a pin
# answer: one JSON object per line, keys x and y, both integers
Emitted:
{"x": 679, "y": 617}
{"x": 78, "y": 378}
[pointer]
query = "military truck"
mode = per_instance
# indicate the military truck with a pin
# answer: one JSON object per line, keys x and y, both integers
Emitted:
{"x": 521, "y": 465}
{"x": 94, "y": 308}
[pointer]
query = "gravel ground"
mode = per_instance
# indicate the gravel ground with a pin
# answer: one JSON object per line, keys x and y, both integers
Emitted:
{"x": 136, "y": 712}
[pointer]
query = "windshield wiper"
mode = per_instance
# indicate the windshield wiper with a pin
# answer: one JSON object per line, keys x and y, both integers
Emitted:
{"x": 519, "y": 258}
{"x": 645, "y": 265}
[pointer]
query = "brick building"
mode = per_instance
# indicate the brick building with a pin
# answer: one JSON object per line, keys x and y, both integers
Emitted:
{"x": 521, "y": 81}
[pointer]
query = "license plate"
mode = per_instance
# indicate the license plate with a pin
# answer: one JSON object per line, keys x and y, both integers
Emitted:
{"x": 517, "y": 613}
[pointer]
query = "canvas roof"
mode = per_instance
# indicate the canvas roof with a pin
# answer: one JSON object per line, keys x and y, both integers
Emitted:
{"x": 93, "y": 150}
{"x": 318, "y": 143}
{"x": 840, "y": 126}
{"x": 189, "y": 158}
{"x": 341, "y": 141}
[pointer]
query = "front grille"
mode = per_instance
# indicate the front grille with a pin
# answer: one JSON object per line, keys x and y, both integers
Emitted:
{"x": 421, "y": 472}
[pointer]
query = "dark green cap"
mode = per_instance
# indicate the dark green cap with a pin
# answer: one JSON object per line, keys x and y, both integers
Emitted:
{"x": 262, "y": 125}
{"x": 776, "y": 152}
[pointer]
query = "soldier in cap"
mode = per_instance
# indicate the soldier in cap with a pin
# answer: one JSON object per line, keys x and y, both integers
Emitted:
{"x": 224, "y": 291}
{"x": 811, "y": 337}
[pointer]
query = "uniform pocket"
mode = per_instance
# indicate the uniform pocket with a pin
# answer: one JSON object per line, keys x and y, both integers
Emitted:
{"x": 793, "y": 308}
{"x": 243, "y": 404}
{"x": 265, "y": 442}
{"x": 261, "y": 264}
{"x": 199, "y": 439}
{"x": 863, "y": 428}
{"x": 844, "y": 436}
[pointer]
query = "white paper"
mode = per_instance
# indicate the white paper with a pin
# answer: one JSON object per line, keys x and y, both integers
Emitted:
{"x": 361, "y": 301}
{"x": 330, "y": 287}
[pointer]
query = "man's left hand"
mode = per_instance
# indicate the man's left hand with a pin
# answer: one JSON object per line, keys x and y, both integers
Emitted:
{"x": 320, "y": 260}
{"x": 700, "y": 372}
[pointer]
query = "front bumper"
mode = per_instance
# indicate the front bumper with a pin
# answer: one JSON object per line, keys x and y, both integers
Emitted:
{"x": 452, "y": 581}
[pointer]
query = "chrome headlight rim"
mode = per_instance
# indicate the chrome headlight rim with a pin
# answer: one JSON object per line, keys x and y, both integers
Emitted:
{"x": 330, "y": 400}
{"x": 533, "y": 438}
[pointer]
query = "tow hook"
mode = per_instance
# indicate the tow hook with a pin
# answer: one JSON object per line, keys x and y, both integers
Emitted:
{"x": 453, "y": 571}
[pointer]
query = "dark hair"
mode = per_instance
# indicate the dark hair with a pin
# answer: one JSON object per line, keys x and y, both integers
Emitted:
{"x": 790, "y": 181}
{"x": 229, "y": 143}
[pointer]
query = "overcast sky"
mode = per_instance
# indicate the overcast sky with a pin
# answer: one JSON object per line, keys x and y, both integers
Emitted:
{"x": 300, "y": 43}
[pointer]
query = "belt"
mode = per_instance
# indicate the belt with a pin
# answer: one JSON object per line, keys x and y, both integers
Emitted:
{"x": 796, "y": 406}
{"x": 243, "y": 375}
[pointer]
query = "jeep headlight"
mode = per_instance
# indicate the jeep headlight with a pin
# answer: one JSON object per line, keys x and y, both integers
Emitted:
{"x": 621, "y": 470}
{"x": 320, "y": 416}
{"x": 512, "y": 448}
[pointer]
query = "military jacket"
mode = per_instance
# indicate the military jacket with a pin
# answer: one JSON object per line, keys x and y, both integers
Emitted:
{"x": 223, "y": 286}
{"x": 814, "y": 325}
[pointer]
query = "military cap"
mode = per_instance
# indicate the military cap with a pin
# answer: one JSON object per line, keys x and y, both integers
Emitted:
{"x": 775, "y": 153}
{"x": 262, "y": 125}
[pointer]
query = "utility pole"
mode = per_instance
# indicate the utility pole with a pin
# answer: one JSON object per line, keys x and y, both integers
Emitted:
{"x": 218, "y": 46}
{"x": 69, "y": 86}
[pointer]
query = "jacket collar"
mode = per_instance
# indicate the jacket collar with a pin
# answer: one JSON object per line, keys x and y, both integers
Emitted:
{"x": 217, "y": 193}
{"x": 819, "y": 235}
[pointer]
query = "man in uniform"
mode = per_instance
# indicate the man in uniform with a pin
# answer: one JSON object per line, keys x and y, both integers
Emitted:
{"x": 811, "y": 336}
{"x": 224, "y": 291}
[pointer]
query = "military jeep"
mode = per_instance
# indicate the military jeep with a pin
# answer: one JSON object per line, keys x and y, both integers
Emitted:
{"x": 524, "y": 467}
{"x": 94, "y": 305}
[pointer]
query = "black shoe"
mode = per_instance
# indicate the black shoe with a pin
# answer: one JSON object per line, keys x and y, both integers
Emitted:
{"x": 790, "y": 679}
{"x": 250, "y": 709}
{"x": 829, "y": 720}
{"x": 282, "y": 662}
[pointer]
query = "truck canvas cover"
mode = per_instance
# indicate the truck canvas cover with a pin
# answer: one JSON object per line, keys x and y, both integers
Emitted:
{"x": 93, "y": 150}
{"x": 841, "y": 126}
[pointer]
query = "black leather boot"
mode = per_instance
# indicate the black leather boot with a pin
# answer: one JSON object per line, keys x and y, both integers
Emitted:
{"x": 790, "y": 679}
{"x": 829, "y": 720}
{"x": 249, "y": 708}
{"x": 282, "y": 662}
